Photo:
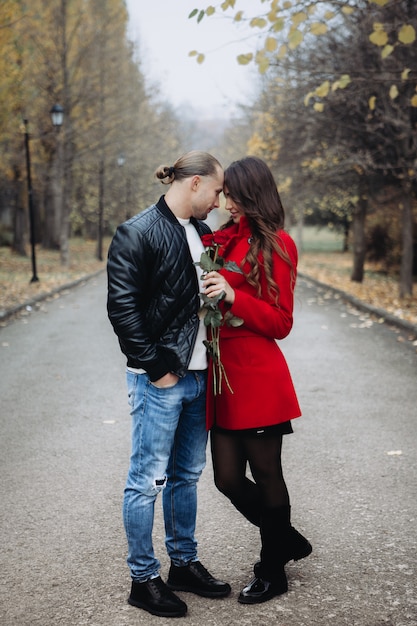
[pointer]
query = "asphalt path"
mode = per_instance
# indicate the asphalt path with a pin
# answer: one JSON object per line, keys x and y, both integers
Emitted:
{"x": 350, "y": 467}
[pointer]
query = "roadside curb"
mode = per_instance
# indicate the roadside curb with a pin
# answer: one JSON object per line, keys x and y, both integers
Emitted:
{"x": 6, "y": 314}
{"x": 359, "y": 304}
{"x": 388, "y": 318}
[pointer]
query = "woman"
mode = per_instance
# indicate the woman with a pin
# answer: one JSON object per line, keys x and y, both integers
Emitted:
{"x": 254, "y": 410}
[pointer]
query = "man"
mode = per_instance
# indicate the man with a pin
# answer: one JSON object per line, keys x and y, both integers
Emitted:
{"x": 153, "y": 306}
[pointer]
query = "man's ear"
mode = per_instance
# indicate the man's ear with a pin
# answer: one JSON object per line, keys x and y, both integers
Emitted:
{"x": 195, "y": 182}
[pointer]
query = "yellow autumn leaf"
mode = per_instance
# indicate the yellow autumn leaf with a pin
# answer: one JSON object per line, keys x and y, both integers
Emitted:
{"x": 271, "y": 44}
{"x": 244, "y": 59}
{"x": 317, "y": 28}
{"x": 323, "y": 90}
{"x": 298, "y": 18}
{"x": 200, "y": 58}
{"x": 238, "y": 16}
{"x": 307, "y": 98}
{"x": 210, "y": 10}
{"x": 272, "y": 15}
{"x": 379, "y": 37}
{"x": 347, "y": 10}
{"x": 193, "y": 53}
{"x": 329, "y": 15}
{"x": 278, "y": 25}
{"x": 380, "y": 3}
{"x": 258, "y": 22}
{"x": 294, "y": 39}
{"x": 262, "y": 62}
{"x": 407, "y": 34}
{"x": 287, "y": 5}
{"x": 386, "y": 51}
{"x": 414, "y": 100}
{"x": 282, "y": 51}
{"x": 228, "y": 3}
{"x": 319, "y": 107}
{"x": 393, "y": 92}
{"x": 372, "y": 102}
{"x": 344, "y": 81}
{"x": 405, "y": 73}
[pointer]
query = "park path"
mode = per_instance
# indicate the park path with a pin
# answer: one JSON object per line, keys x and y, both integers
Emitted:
{"x": 350, "y": 468}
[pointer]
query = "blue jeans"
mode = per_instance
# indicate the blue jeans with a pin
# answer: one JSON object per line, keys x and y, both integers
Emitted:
{"x": 169, "y": 441}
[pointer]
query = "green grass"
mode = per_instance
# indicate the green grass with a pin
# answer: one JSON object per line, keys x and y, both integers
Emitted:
{"x": 319, "y": 239}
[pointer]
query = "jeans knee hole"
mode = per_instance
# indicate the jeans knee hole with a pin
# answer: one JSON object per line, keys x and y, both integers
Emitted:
{"x": 160, "y": 483}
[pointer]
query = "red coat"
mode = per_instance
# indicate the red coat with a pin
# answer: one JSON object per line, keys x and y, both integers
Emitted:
{"x": 263, "y": 391}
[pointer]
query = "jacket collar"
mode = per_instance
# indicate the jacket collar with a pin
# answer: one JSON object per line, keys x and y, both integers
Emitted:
{"x": 242, "y": 229}
{"x": 162, "y": 206}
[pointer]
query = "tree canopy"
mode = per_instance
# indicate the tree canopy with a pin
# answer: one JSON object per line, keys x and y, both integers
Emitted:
{"x": 337, "y": 115}
{"x": 77, "y": 53}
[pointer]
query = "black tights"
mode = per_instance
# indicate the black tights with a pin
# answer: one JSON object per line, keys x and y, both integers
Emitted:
{"x": 267, "y": 490}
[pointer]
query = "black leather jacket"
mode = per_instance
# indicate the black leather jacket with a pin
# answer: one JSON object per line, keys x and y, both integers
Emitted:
{"x": 153, "y": 291}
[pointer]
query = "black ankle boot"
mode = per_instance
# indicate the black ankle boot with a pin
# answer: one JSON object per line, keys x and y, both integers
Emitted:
{"x": 293, "y": 546}
{"x": 196, "y": 578}
{"x": 270, "y": 578}
{"x": 280, "y": 543}
{"x": 298, "y": 547}
{"x": 155, "y": 597}
{"x": 260, "y": 590}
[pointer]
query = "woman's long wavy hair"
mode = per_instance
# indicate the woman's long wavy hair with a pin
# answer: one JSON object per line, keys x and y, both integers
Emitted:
{"x": 252, "y": 187}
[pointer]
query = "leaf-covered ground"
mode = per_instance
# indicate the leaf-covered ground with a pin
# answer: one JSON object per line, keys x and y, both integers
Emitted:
{"x": 16, "y": 271}
{"x": 377, "y": 289}
{"x": 332, "y": 268}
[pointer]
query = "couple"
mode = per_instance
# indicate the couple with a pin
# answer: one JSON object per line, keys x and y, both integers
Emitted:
{"x": 154, "y": 288}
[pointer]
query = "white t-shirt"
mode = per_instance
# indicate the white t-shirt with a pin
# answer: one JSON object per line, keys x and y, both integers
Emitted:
{"x": 199, "y": 356}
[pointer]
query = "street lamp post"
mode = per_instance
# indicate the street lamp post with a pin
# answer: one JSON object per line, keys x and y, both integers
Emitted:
{"x": 34, "y": 278}
{"x": 57, "y": 115}
{"x": 59, "y": 186}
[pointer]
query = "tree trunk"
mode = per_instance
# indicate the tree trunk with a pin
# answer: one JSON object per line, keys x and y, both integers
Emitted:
{"x": 53, "y": 204}
{"x": 406, "y": 273}
{"x": 299, "y": 231}
{"x": 66, "y": 189}
{"x": 20, "y": 225}
{"x": 102, "y": 113}
{"x": 346, "y": 230}
{"x": 358, "y": 229}
{"x": 100, "y": 209}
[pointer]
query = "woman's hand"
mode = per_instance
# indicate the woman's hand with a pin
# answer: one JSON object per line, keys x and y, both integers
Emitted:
{"x": 213, "y": 285}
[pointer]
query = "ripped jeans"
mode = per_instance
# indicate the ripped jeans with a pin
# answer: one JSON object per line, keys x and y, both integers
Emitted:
{"x": 169, "y": 441}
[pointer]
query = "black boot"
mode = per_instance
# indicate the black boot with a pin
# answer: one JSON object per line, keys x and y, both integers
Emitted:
{"x": 270, "y": 578}
{"x": 280, "y": 543}
{"x": 196, "y": 578}
{"x": 155, "y": 597}
{"x": 293, "y": 545}
{"x": 260, "y": 590}
{"x": 298, "y": 547}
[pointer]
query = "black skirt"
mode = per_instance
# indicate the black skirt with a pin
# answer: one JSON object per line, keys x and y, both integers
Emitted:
{"x": 267, "y": 431}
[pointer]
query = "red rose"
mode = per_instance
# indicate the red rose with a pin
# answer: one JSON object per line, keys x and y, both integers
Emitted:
{"x": 207, "y": 240}
{"x": 220, "y": 237}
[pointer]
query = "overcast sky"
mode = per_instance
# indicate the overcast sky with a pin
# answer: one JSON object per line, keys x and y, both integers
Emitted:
{"x": 166, "y": 36}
